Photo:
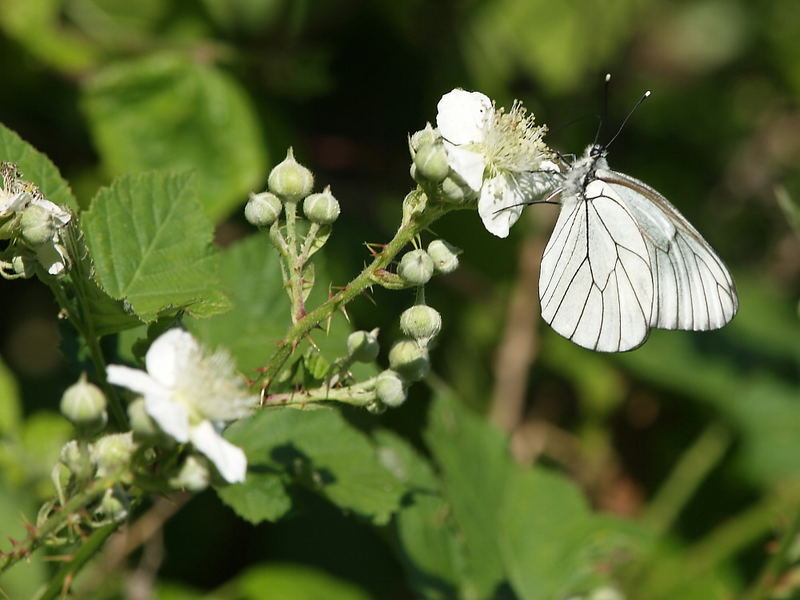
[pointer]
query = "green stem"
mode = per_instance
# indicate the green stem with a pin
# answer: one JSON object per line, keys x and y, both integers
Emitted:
{"x": 82, "y": 319}
{"x": 359, "y": 394}
{"x": 87, "y": 550}
{"x": 57, "y": 520}
{"x": 308, "y": 242}
{"x": 693, "y": 467}
{"x": 776, "y": 565}
{"x": 413, "y": 223}
{"x": 293, "y": 262}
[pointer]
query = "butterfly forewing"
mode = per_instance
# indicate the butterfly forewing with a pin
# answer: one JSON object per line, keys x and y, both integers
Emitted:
{"x": 595, "y": 284}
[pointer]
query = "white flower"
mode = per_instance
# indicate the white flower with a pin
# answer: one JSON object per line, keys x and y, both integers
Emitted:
{"x": 189, "y": 394}
{"x": 499, "y": 154}
{"x": 17, "y": 195}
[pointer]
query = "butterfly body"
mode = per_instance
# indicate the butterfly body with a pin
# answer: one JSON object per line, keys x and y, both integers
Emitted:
{"x": 622, "y": 260}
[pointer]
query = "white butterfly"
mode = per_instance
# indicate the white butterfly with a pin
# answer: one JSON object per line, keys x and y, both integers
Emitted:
{"x": 622, "y": 260}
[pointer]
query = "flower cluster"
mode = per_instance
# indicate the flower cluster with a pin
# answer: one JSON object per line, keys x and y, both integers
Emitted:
{"x": 497, "y": 155}
{"x": 34, "y": 225}
{"x": 189, "y": 394}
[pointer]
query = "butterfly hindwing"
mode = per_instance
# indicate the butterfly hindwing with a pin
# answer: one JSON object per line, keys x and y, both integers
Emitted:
{"x": 693, "y": 289}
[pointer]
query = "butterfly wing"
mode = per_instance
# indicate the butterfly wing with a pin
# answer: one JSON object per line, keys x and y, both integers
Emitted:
{"x": 692, "y": 288}
{"x": 595, "y": 283}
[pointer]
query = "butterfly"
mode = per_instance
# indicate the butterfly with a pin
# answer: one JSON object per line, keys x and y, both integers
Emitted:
{"x": 622, "y": 260}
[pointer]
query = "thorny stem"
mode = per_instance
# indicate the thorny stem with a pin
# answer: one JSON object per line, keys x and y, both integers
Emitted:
{"x": 764, "y": 587}
{"x": 294, "y": 263}
{"x": 57, "y": 520}
{"x": 414, "y": 221}
{"x": 359, "y": 394}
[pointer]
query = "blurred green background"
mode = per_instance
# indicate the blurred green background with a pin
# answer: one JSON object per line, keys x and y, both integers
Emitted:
{"x": 106, "y": 87}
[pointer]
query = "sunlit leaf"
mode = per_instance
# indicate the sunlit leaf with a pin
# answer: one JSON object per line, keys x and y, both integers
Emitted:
{"x": 321, "y": 451}
{"x": 151, "y": 246}
{"x": 294, "y": 582}
{"x": 35, "y": 167}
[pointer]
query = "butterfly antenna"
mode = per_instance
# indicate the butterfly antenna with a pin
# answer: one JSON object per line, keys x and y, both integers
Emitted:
{"x": 604, "y": 114}
{"x": 644, "y": 97}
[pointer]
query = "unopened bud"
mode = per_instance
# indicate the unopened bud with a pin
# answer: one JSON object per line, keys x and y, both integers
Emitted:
{"x": 113, "y": 452}
{"x": 85, "y": 405}
{"x": 24, "y": 265}
{"x": 456, "y": 192}
{"x": 416, "y": 267}
{"x": 142, "y": 424}
{"x": 321, "y": 208}
{"x": 390, "y": 388}
{"x": 263, "y": 209}
{"x": 419, "y": 138}
{"x": 362, "y": 346}
{"x": 37, "y": 225}
{"x": 421, "y": 323}
{"x": 290, "y": 180}
{"x": 444, "y": 255}
{"x": 113, "y": 507}
{"x": 194, "y": 475}
{"x": 76, "y": 458}
{"x": 431, "y": 162}
{"x": 410, "y": 360}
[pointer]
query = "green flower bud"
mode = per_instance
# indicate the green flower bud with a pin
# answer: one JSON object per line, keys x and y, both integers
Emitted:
{"x": 290, "y": 180}
{"x": 85, "y": 405}
{"x": 24, "y": 265}
{"x": 113, "y": 452}
{"x": 142, "y": 424}
{"x": 390, "y": 388}
{"x": 444, "y": 255}
{"x": 409, "y": 359}
{"x": 421, "y": 323}
{"x": 263, "y": 209}
{"x": 113, "y": 507}
{"x": 321, "y": 208}
{"x": 194, "y": 475}
{"x": 419, "y": 138}
{"x": 76, "y": 458}
{"x": 431, "y": 162}
{"x": 376, "y": 407}
{"x": 416, "y": 267}
{"x": 362, "y": 346}
{"x": 37, "y": 225}
{"x": 455, "y": 191}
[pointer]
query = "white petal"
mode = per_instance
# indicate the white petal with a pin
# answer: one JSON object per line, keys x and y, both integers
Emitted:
{"x": 230, "y": 460}
{"x": 134, "y": 379}
{"x": 467, "y": 164}
{"x": 170, "y": 354}
{"x": 500, "y": 204}
{"x": 172, "y": 417}
{"x": 462, "y": 115}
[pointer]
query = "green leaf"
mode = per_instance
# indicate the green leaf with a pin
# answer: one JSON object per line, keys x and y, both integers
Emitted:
{"x": 152, "y": 246}
{"x": 262, "y": 497}
{"x": 426, "y": 535}
{"x": 169, "y": 112}
{"x": 38, "y": 26}
{"x": 474, "y": 468}
{"x": 294, "y": 582}
{"x": 528, "y": 526}
{"x": 251, "y": 277}
{"x": 10, "y": 409}
{"x": 551, "y": 544}
{"x": 322, "y": 452}
{"x": 36, "y": 168}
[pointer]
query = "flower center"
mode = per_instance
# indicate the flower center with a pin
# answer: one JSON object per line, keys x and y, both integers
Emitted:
{"x": 513, "y": 142}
